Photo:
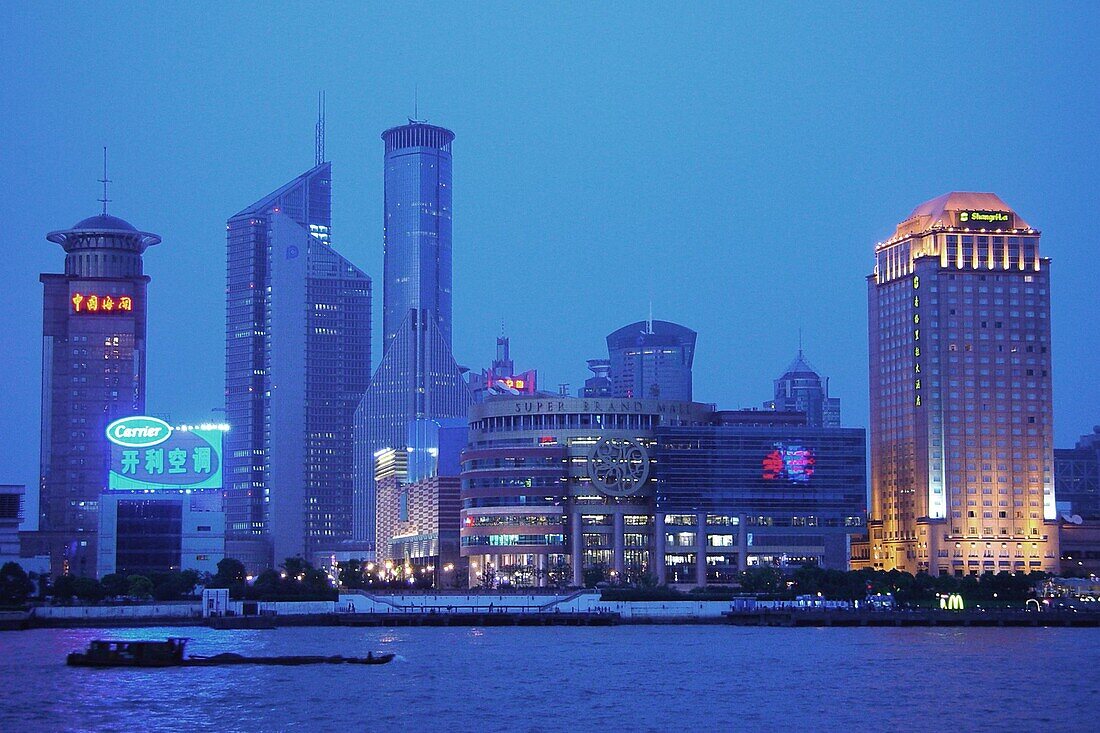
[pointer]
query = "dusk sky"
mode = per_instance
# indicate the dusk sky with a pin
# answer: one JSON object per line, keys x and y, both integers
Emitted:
{"x": 733, "y": 164}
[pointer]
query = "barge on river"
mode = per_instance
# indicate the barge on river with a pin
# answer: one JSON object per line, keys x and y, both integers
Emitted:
{"x": 169, "y": 653}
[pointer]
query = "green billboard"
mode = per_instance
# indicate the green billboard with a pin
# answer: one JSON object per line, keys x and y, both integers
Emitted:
{"x": 148, "y": 453}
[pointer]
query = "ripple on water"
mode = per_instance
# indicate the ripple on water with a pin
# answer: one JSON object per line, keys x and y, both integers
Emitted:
{"x": 637, "y": 678}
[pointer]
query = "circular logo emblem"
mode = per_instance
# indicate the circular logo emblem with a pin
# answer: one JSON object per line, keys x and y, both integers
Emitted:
{"x": 618, "y": 466}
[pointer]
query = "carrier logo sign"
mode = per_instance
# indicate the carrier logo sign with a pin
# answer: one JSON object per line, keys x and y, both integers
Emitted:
{"x": 980, "y": 219}
{"x": 138, "y": 432}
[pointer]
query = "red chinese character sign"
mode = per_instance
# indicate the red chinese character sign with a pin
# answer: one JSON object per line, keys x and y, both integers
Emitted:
{"x": 524, "y": 383}
{"x": 101, "y": 304}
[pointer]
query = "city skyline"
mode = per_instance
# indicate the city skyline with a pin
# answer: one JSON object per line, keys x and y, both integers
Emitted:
{"x": 506, "y": 264}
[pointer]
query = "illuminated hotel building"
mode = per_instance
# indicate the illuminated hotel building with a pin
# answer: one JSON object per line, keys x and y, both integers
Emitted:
{"x": 417, "y": 378}
{"x": 93, "y": 372}
{"x": 297, "y": 360}
{"x": 961, "y": 416}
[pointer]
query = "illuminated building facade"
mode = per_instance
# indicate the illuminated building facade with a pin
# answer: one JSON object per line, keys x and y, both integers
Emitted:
{"x": 297, "y": 362}
{"x": 803, "y": 389}
{"x": 93, "y": 372}
{"x": 162, "y": 509}
{"x": 651, "y": 360}
{"x": 961, "y": 418}
{"x": 744, "y": 492}
{"x": 417, "y": 524}
{"x": 555, "y": 490}
{"x": 554, "y": 487}
{"x": 417, "y": 378}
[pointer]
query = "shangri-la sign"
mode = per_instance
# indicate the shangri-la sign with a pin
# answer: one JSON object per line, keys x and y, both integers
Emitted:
{"x": 100, "y": 304}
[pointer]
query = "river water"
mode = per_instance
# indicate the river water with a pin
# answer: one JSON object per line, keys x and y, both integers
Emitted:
{"x": 626, "y": 678}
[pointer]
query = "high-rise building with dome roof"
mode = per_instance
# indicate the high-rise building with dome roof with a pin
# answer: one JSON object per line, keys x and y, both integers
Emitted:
{"x": 803, "y": 389}
{"x": 93, "y": 372}
{"x": 962, "y": 465}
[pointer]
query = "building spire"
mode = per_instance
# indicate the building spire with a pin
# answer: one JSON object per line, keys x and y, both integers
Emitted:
{"x": 800, "y": 342}
{"x": 105, "y": 180}
{"x": 320, "y": 130}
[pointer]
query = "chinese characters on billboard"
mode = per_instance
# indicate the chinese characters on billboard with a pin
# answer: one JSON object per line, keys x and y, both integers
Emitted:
{"x": 147, "y": 453}
{"x": 524, "y": 383}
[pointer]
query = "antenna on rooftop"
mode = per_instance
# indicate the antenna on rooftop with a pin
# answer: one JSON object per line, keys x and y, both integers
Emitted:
{"x": 105, "y": 180}
{"x": 320, "y": 131}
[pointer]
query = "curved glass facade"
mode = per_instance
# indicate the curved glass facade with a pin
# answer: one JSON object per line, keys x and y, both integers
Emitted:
{"x": 417, "y": 378}
{"x": 417, "y": 226}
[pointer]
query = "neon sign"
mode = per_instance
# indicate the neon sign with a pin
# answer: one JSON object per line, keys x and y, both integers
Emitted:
{"x": 100, "y": 304}
{"x": 951, "y": 602}
{"x": 792, "y": 462}
{"x": 512, "y": 384}
{"x": 138, "y": 432}
{"x": 978, "y": 219}
{"x": 149, "y": 454}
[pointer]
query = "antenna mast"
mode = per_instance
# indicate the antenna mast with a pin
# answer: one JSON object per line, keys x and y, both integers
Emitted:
{"x": 320, "y": 131}
{"x": 105, "y": 180}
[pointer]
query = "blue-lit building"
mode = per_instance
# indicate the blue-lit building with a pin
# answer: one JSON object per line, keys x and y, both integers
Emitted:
{"x": 651, "y": 360}
{"x": 417, "y": 378}
{"x": 297, "y": 362}
{"x": 93, "y": 372}
{"x": 742, "y": 492}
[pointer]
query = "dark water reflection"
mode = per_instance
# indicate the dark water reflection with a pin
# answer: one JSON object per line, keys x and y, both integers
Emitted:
{"x": 646, "y": 678}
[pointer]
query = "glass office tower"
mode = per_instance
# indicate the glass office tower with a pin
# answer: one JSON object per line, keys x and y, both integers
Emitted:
{"x": 93, "y": 372}
{"x": 651, "y": 360}
{"x": 417, "y": 377}
{"x": 416, "y": 236}
{"x": 297, "y": 362}
{"x": 961, "y": 416}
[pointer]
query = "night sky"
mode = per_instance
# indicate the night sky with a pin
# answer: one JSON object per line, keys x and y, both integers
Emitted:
{"x": 734, "y": 166}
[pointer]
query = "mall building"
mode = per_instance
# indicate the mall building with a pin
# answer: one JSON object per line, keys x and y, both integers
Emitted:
{"x": 564, "y": 491}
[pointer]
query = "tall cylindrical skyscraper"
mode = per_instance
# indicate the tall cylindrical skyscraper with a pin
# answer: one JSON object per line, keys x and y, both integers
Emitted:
{"x": 417, "y": 226}
{"x": 417, "y": 380}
